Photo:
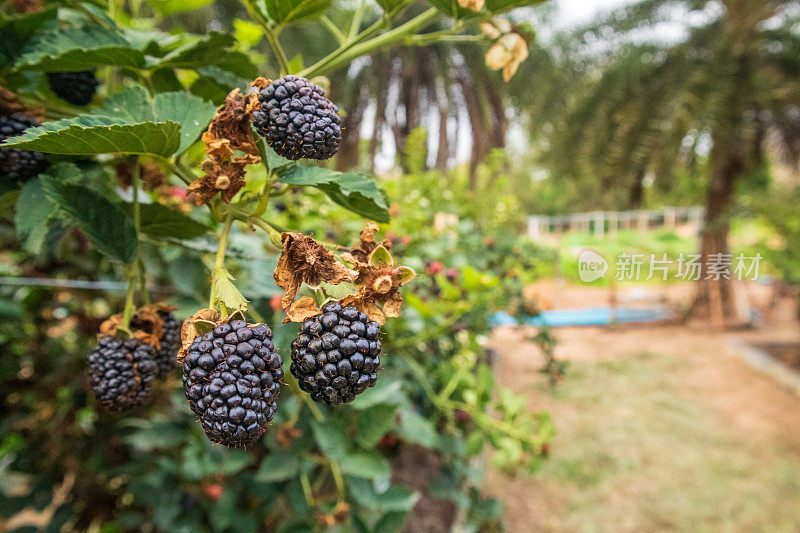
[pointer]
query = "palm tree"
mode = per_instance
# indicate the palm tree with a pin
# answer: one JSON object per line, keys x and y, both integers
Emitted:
{"x": 734, "y": 79}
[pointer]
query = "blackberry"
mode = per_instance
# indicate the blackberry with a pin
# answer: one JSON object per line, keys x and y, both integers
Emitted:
{"x": 231, "y": 377}
{"x": 170, "y": 341}
{"x": 122, "y": 372}
{"x": 19, "y": 165}
{"x": 77, "y": 88}
{"x": 336, "y": 355}
{"x": 297, "y": 120}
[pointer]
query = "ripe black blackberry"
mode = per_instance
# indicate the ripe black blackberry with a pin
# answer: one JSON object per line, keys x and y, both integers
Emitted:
{"x": 77, "y": 88}
{"x": 19, "y": 165}
{"x": 297, "y": 120}
{"x": 231, "y": 377}
{"x": 167, "y": 355}
{"x": 336, "y": 355}
{"x": 122, "y": 372}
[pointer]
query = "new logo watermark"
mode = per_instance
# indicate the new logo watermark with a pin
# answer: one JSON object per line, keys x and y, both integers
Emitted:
{"x": 686, "y": 267}
{"x": 591, "y": 266}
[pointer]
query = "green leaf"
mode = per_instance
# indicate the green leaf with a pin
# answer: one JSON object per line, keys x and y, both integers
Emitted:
{"x": 374, "y": 423}
{"x": 453, "y": 10}
{"x": 395, "y": 498}
{"x": 278, "y": 467}
{"x": 352, "y": 191}
{"x": 370, "y": 465}
{"x": 206, "y": 50}
{"x": 414, "y": 428}
{"x": 15, "y": 32}
{"x": 224, "y": 291}
{"x": 78, "y": 48}
{"x": 385, "y": 391}
{"x": 128, "y": 122}
{"x": 105, "y": 223}
{"x": 501, "y": 6}
{"x": 390, "y": 5}
{"x": 169, "y": 7}
{"x": 247, "y": 33}
{"x": 160, "y": 221}
{"x": 32, "y": 215}
{"x": 331, "y": 438}
{"x": 391, "y": 522}
{"x": 286, "y": 11}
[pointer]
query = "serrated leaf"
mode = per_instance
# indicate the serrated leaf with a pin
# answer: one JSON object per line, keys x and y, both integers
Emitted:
{"x": 78, "y": 48}
{"x": 278, "y": 467}
{"x": 286, "y": 11}
{"x": 210, "y": 49}
{"x": 105, "y": 223}
{"x": 374, "y": 423}
{"x": 224, "y": 291}
{"x": 370, "y": 465}
{"x": 128, "y": 122}
{"x": 160, "y": 221}
{"x": 352, "y": 191}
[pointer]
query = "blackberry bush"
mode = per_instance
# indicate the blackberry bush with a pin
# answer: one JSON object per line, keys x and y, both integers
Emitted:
{"x": 19, "y": 165}
{"x": 297, "y": 120}
{"x": 121, "y": 372}
{"x": 337, "y": 354}
{"x": 77, "y": 88}
{"x": 232, "y": 376}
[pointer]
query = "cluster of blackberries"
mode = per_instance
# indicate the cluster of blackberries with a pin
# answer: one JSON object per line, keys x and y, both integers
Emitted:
{"x": 19, "y": 165}
{"x": 77, "y": 88}
{"x": 336, "y": 355}
{"x": 297, "y": 120}
{"x": 231, "y": 377}
{"x": 122, "y": 371}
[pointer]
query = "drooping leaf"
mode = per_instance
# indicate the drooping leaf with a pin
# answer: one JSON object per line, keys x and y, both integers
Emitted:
{"x": 106, "y": 224}
{"x": 128, "y": 122}
{"x": 79, "y": 48}
{"x": 352, "y": 191}
{"x": 501, "y": 6}
{"x": 286, "y": 11}
{"x": 160, "y": 221}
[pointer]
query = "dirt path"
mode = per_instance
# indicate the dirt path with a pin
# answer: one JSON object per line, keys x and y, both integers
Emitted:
{"x": 660, "y": 428}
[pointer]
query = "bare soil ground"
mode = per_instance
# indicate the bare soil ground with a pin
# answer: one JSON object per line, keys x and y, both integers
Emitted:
{"x": 660, "y": 428}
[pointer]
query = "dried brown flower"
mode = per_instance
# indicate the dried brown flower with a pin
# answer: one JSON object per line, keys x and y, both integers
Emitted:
{"x": 25, "y": 7}
{"x": 229, "y": 130}
{"x": 305, "y": 260}
{"x": 472, "y": 5}
{"x": 286, "y": 434}
{"x": 360, "y": 252}
{"x": 507, "y": 53}
{"x": 379, "y": 281}
{"x": 146, "y": 324}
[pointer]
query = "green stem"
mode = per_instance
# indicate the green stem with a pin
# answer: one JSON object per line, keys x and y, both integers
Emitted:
{"x": 219, "y": 261}
{"x": 336, "y": 472}
{"x": 293, "y": 385}
{"x": 130, "y": 307}
{"x": 351, "y": 51}
{"x": 271, "y": 34}
{"x": 331, "y": 27}
{"x": 274, "y": 234}
{"x": 137, "y": 224}
{"x": 355, "y": 24}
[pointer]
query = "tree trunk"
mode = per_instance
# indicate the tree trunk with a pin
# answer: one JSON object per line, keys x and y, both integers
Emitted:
{"x": 714, "y": 294}
{"x": 384, "y": 68}
{"x": 636, "y": 193}
{"x": 350, "y": 146}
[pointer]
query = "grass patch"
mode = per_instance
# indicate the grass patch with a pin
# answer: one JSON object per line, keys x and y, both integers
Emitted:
{"x": 639, "y": 451}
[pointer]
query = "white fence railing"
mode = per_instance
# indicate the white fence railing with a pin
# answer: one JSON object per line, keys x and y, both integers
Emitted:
{"x": 601, "y": 223}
